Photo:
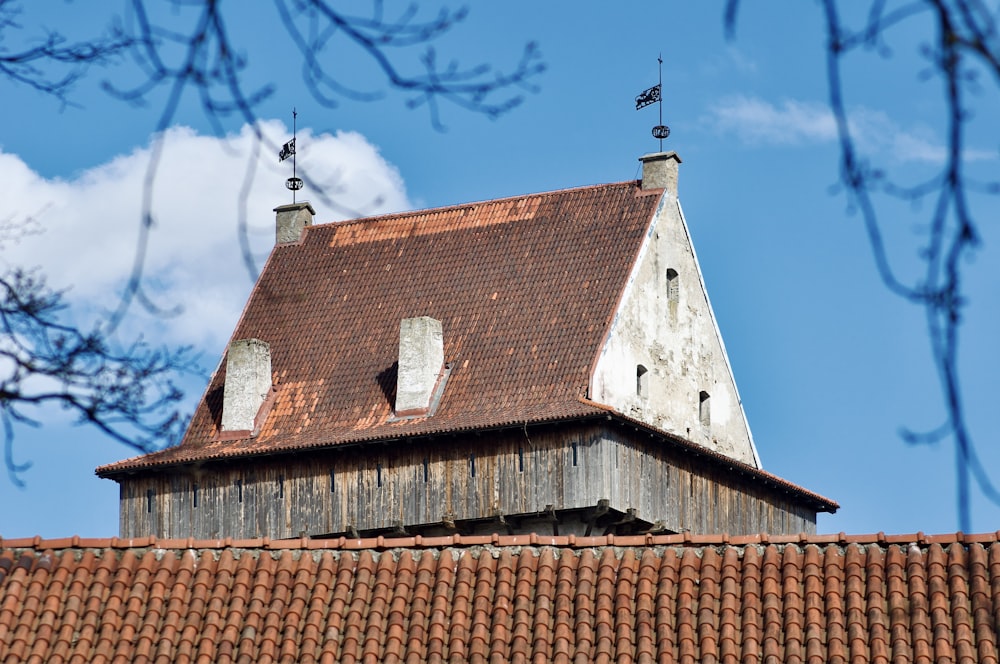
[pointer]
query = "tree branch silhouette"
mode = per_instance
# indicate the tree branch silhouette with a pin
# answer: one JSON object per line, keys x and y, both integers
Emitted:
{"x": 127, "y": 393}
{"x": 965, "y": 42}
{"x": 164, "y": 53}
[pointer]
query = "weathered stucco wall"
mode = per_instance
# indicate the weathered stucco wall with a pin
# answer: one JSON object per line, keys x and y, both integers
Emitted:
{"x": 664, "y": 362}
{"x": 472, "y": 477}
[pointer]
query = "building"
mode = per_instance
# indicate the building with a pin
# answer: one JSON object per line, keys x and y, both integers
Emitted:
{"x": 518, "y": 422}
{"x": 546, "y": 363}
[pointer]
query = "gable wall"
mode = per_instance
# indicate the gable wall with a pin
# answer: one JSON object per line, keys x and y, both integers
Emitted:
{"x": 378, "y": 486}
{"x": 671, "y": 331}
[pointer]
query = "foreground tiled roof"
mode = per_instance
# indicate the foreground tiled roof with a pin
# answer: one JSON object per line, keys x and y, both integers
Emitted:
{"x": 524, "y": 287}
{"x": 876, "y": 598}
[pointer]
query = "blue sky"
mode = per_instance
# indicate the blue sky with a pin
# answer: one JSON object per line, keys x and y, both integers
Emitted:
{"x": 830, "y": 365}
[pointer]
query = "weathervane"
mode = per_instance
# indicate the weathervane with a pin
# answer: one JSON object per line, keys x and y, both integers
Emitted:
{"x": 288, "y": 150}
{"x": 654, "y": 95}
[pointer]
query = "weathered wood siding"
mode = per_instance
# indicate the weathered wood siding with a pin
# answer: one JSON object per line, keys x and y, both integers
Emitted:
{"x": 411, "y": 483}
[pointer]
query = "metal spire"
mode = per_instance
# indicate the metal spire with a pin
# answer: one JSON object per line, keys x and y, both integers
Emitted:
{"x": 288, "y": 150}
{"x": 661, "y": 131}
{"x": 655, "y": 95}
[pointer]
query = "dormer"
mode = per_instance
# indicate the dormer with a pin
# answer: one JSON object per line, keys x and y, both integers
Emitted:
{"x": 421, "y": 367}
{"x": 248, "y": 383}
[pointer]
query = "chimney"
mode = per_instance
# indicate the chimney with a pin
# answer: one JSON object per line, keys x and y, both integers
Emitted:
{"x": 248, "y": 382}
{"x": 292, "y": 220}
{"x": 421, "y": 359}
{"x": 659, "y": 171}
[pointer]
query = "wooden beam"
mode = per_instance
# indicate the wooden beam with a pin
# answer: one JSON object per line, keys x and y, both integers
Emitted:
{"x": 602, "y": 507}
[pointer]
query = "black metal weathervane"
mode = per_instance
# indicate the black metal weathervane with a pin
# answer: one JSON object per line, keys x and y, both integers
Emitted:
{"x": 288, "y": 150}
{"x": 654, "y": 95}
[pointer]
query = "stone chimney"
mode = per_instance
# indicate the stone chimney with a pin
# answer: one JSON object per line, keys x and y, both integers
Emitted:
{"x": 292, "y": 221}
{"x": 421, "y": 361}
{"x": 659, "y": 171}
{"x": 248, "y": 383}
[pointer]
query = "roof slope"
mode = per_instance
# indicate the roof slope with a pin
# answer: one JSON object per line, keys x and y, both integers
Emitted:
{"x": 637, "y": 599}
{"x": 525, "y": 289}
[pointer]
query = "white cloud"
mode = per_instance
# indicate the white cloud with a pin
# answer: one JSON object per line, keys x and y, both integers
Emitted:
{"x": 729, "y": 59}
{"x": 793, "y": 122}
{"x": 759, "y": 121}
{"x": 83, "y": 231}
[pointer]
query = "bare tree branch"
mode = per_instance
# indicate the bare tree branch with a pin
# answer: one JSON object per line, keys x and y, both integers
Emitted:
{"x": 965, "y": 41}
{"x": 185, "y": 48}
{"x": 53, "y": 64}
{"x": 128, "y": 393}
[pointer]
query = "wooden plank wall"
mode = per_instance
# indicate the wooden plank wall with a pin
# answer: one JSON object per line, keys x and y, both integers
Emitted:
{"x": 509, "y": 472}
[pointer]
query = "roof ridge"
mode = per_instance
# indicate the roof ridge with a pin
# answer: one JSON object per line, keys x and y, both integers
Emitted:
{"x": 390, "y": 216}
{"x": 686, "y": 539}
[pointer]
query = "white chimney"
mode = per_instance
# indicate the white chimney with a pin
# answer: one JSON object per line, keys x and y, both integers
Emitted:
{"x": 659, "y": 171}
{"x": 421, "y": 360}
{"x": 248, "y": 383}
{"x": 292, "y": 220}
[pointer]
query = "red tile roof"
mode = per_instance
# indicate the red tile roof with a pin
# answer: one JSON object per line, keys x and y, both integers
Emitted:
{"x": 828, "y": 598}
{"x": 525, "y": 289}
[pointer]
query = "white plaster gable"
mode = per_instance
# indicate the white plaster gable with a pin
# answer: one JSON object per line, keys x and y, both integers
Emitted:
{"x": 663, "y": 352}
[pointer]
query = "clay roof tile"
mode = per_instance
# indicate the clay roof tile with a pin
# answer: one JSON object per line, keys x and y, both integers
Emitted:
{"x": 880, "y": 599}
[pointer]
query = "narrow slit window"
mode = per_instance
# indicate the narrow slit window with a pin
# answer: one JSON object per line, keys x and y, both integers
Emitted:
{"x": 673, "y": 286}
{"x": 378, "y": 474}
{"x": 149, "y": 501}
{"x": 427, "y": 464}
{"x": 281, "y": 486}
{"x": 704, "y": 409}
{"x": 333, "y": 476}
{"x": 641, "y": 381}
{"x": 194, "y": 492}
{"x": 472, "y": 464}
{"x": 673, "y": 295}
{"x": 239, "y": 490}
{"x": 575, "y": 459}
{"x": 520, "y": 459}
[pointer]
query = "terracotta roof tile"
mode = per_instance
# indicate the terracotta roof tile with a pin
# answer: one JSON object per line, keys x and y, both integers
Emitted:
{"x": 815, "y": 616}
{"x": 498, "y": 599}
{"x": 645, "y": 608}
{"x": 729, "y": 607}
{"x": 981, "y": 604}
{"x": 665, "y": 597}
{"x": 482, "y": 609}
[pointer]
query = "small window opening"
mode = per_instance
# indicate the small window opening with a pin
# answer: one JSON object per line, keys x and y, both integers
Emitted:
{"x": 673, "y": 294}
{"x": 641, "y": 381}
{"x": 574, "y": 454}
{"x": 149, "y": 501}
{"x": 520, "y": 459}
{"x": 378, "y": 474}
{"x": 333, "y": 476}
{"x": 281, "y": 486}
{"x": 194, "y": 490}
{"x": 704, "y": 409}
{"x": 427, "y": 464}
{"x": 239, "y": 490}
{"x": 472, "y": 464}
{"x": 673, "y": 285}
